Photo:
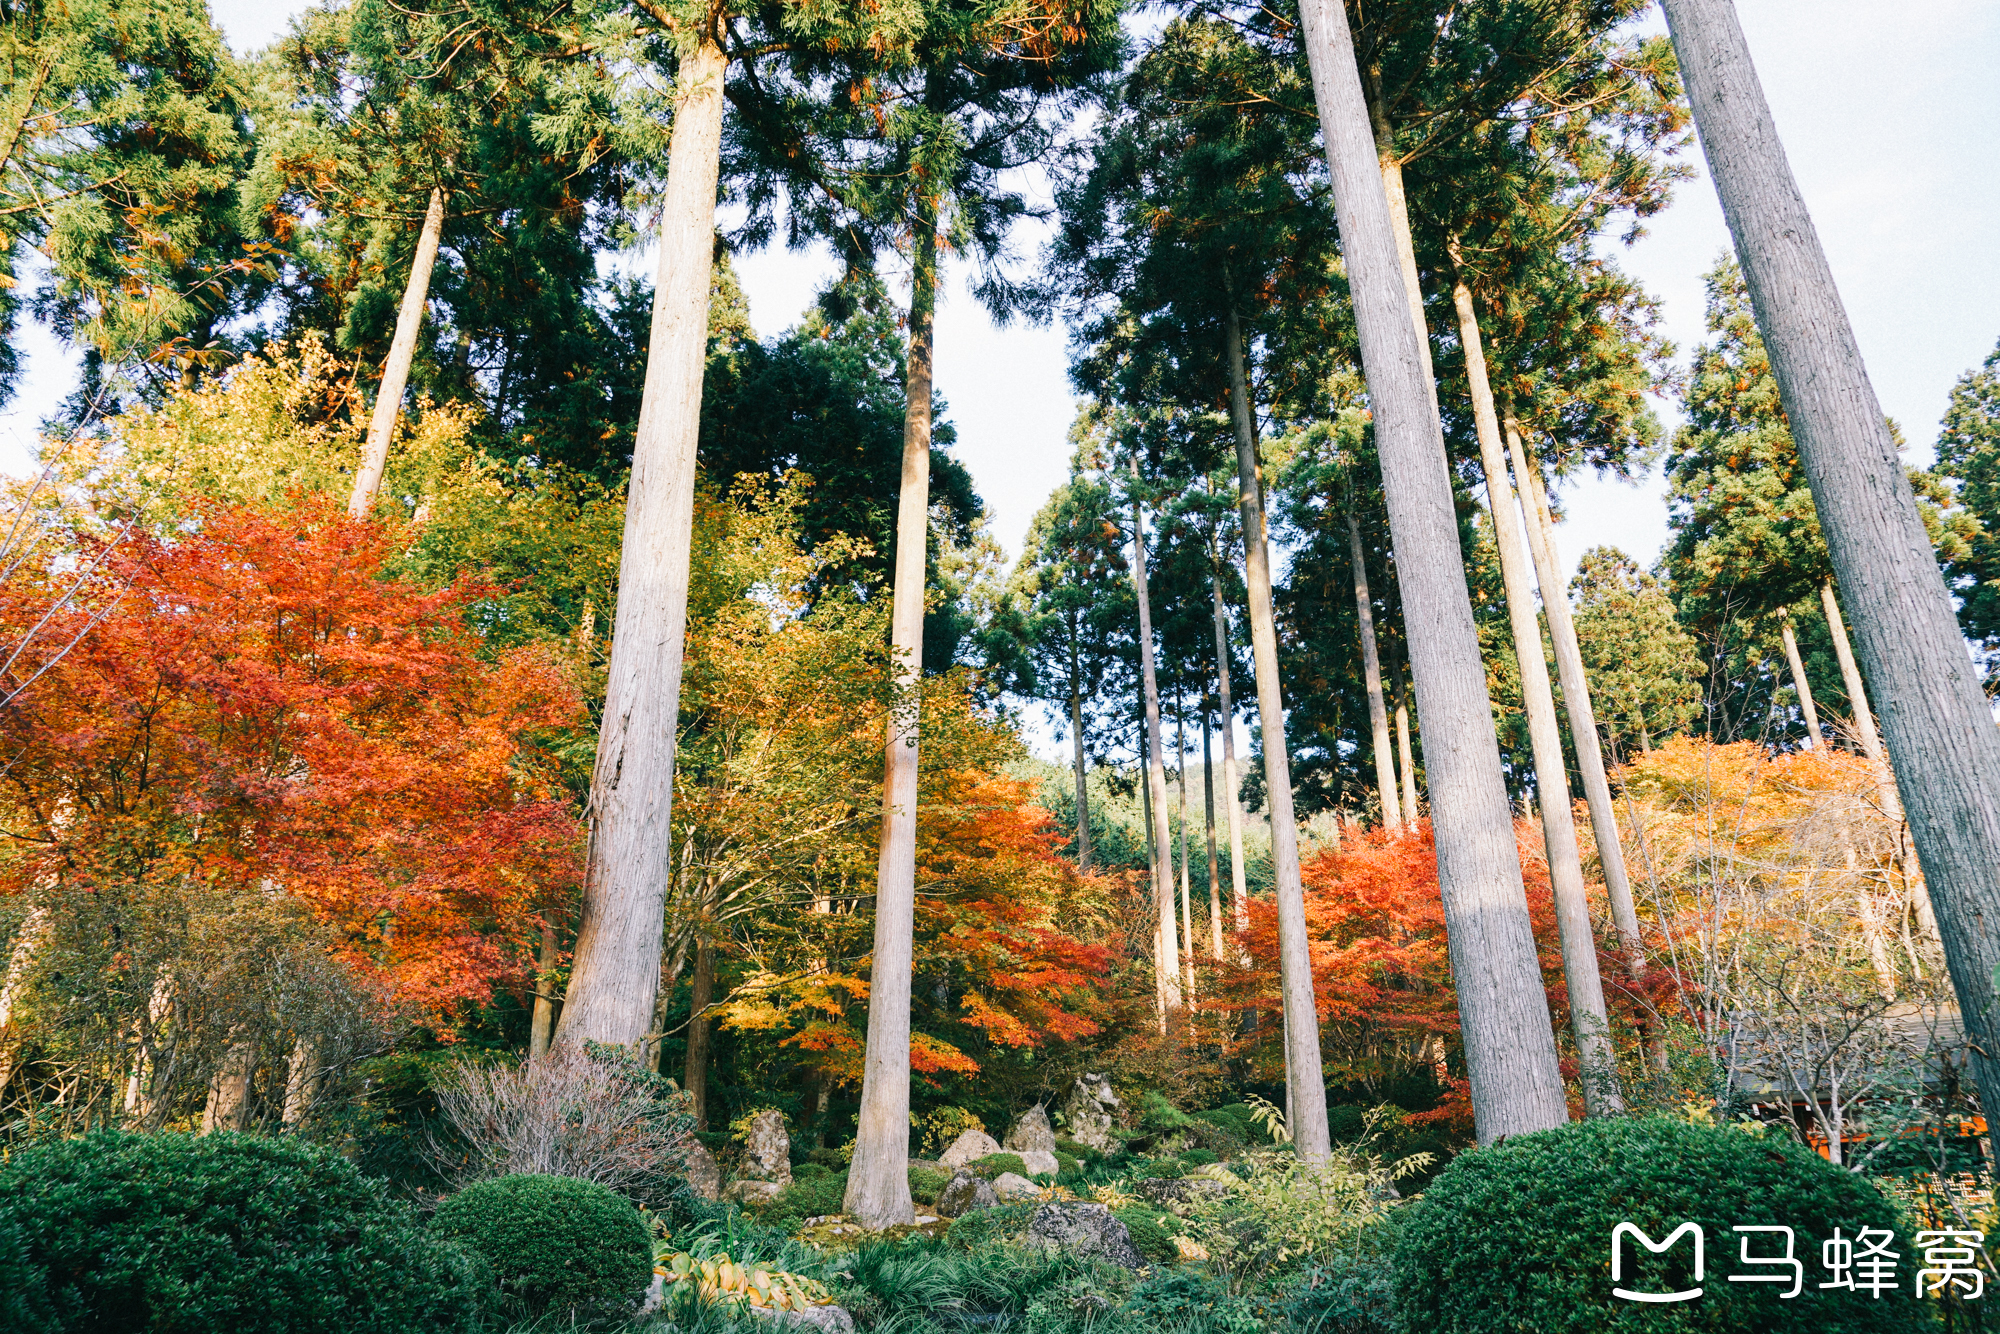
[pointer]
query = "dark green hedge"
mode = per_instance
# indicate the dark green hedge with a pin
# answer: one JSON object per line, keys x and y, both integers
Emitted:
{"x": 555, "y": 1243}
{"x": 1515, "y": 1239}
{"x": 170, "y": 1233}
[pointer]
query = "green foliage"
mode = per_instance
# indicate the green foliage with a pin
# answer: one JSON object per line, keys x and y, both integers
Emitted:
{"x": 1517, "y": 1236}
{"x": 926, "y": 1184}
{"x": 1156, "y": 1113}
{"x": 1968, "y": 459}
{"x": 993, "y": 1164}
{"x": 1152, "y": 1232}
{"x": 1640, "y": 662}
{"x": 821, "y": 1193}
{"x": 170, "y": 1232}
{"x": 1067, "y": 1164}
{"x": 985, "y": 1227}
{"x": 555, "y": 1243}
{"x": 1240, "y": 1120}
{"x": 945, "y": 1125}
{"x": 1188, "y": 1296}
{"x": 1199, "y": 1158}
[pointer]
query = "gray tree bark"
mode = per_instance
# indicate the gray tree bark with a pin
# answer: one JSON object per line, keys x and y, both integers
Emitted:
{"x": 1937, "y": 721}
{"x": 1166, "y": 938}
{"x": 1371, "y": 670}
{"x": 1208, "y": 829}
{"x": 1305, "y": 1078}
{"x": 1800, "y": 684}
{"x": 396, "y": 370}
{"x": 878, "y": 1180}
{"x": 615, "y": 970}
{"x": 1590, "y": 1021}
{"x": 1504, "y": 1015}
{"x": 1231, "y": 783}
{"x": 1577, "y": 702}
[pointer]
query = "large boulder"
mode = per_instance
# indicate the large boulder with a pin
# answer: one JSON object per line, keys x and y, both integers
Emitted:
{"x": 1090, "y": 1111}
{"x": 703, "y": 1173}
{"x": 968, "y": 1148}
{"x": 1085, "y": 1230}
{"x": 1014, "y": 1186}
{"x": 1032, "y": 1133}
{"x": 965, "y": 1194}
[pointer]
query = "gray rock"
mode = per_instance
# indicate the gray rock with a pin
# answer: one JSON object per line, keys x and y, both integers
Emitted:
{"x": 1032, "y": 1133}
{"x": 1014, "y": 1186}
{"x": 969, "y": 1148}
{"x": 767, "y": 1150}
{"x": 966, "y": 1194}
{"x": 1039, "y": 1162}
{"x": 754, "y": 1192}
{"x": 1083, "y": 1229}
{"x": 1176, "y": 1194}
{"x": 704, "y": 1174}
{"x": 831, "y": 1319}
{"x": 1090, "y": 1112}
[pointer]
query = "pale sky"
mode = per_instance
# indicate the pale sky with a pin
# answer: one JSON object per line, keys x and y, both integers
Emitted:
{"x": 1891, "y": 128}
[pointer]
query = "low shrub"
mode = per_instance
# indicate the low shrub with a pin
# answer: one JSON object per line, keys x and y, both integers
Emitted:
{"x": 1152, "y": 1232}
{"x": 808, "y": 1170}
{"x": 1518, "y": 1236}
{"x": 985, "y": 1227}
{"x": 1067, "y": 1164}
{"x": 171, "y": 1232}
{"x": 1083, "y": 1153}
{"x": 993, "y": 1164}
{"x": 1198, "y": 1158}
{"x": 1188, "y": 1297}
{"x": 1350, "y": 1290}
{"x": 555, "y": 1243}
{"x": 926, "y": 1184}
{"x": 807, "y": 1197}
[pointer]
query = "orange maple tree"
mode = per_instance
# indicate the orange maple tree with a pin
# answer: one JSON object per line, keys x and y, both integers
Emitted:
{"x": 259, "y": 704}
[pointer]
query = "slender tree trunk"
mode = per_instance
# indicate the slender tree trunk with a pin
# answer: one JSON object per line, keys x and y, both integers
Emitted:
{"x": 1166, "y": 958}
{"x": 1938, "y": 722}
{"x": 1208, "y": 828}
{"x": 301, "y": 1083}
{"x": 694, "y": 1068}
{"x": 1577, "y": 703}
{"x": 1305, "y": 1080}
{"x": 1590, "y": 1021}
{"x": 878, "y": 1182}
{"x": 1800, "y": 684}
{"x": 542, "y": 1023}
{"x": 228, "y": 1106}
{"x": 1509, "y": 1041}
{"x": 1082, "y": 790}
{"x": 396, "y": 371}
{"x": 1390, "y": 164}
{"x": 1231, "y": 784}
{"x": 1187, "y": 896}
{"x": 1371, "y": 669}
{"x": 1406, "y": 753}
{"x": 615, "y": 967}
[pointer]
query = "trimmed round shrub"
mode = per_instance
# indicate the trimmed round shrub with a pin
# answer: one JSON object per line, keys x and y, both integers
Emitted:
{"x": 1188, "y": 1298}
{"x": 555, "y": 1243}
{"x": 1066, "y": 1165}
{"x": 1151, "y": 1232}
{"x": 993, "y": 1164}
{"x": 926, "y": 1185}
{"x": 1518, "y": 1237}
{"x": 1198, "y": 1158}
{"x": 171, "y": 1233}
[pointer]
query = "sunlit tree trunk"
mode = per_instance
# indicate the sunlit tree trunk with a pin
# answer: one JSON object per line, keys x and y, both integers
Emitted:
{"x": 1509, "y": 1041}
{"x": 228, "y": 1105}
{"x": 615, "y": 968}
{"x": 878, "y": 1182}
{"x": 301, "y": 1083}
{"x": 1937, "y": 720}
{"x": 1371, "y": 669}
{"x": 396, "y": 370}
{"x": 1405, "y": 751}
{"x": 1577, "y": 701}
{"x": 1590, "y": 1021}
{"x": 1305, "y": 1079}
{"x": 1231, "y": 784}
{"x": 1208, "y": 828}
{"x": 1800, "y": 684}
{"x": 1166, "y": 942}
